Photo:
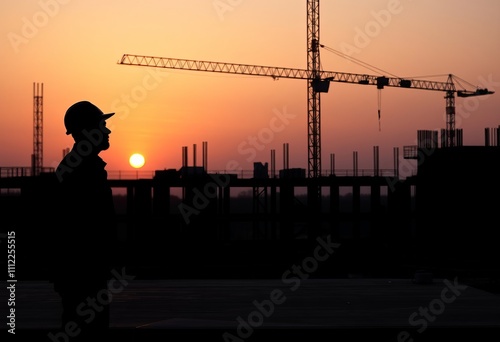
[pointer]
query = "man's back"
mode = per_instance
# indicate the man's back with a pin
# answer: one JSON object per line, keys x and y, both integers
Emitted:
{"x": 86, "y": 224}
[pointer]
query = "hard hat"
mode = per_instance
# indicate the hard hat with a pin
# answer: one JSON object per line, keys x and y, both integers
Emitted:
{"x": 83, "y": 115}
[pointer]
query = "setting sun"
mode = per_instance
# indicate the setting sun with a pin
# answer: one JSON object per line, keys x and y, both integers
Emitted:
{"x": 136, "y": 160}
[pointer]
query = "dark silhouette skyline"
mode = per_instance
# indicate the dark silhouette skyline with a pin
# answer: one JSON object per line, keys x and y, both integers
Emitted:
{"x": 437, "y": 224}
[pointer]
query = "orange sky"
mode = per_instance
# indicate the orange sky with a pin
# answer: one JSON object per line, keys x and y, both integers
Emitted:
{"x": 73, "y": 47}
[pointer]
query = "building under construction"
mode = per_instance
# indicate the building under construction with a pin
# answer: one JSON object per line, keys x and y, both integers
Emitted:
{"x": 191, "y": 222}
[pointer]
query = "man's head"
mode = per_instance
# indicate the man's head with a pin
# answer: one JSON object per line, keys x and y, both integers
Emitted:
{"x": 85, "y": 121}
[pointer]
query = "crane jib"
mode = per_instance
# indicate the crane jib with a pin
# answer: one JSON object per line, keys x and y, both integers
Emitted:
{"x": 319, "y": 83}
{"x": 320, "y": 79}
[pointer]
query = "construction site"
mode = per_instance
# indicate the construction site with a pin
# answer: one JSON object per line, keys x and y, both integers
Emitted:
{"x": 439, "y": 218}
{"x": 193, "y": 223}
{"x": 185, "y": 224}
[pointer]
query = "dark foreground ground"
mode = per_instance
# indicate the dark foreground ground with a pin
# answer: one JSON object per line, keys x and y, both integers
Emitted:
{"x": 290, "y": 308}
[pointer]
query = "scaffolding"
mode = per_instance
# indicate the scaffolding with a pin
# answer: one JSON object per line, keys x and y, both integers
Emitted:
{"x": 37, "y": 156}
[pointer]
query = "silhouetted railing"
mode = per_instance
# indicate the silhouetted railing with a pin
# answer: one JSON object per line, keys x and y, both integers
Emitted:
{"x": 360, "y": 173}
{"x": 10, "y": 172}
{"x": 20, "y": 171}
{"x": 247, "y": 174}
{"x": 130, "y": 174}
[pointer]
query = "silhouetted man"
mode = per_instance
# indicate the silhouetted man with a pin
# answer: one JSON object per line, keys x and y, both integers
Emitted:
{"x": 83, "y": 238}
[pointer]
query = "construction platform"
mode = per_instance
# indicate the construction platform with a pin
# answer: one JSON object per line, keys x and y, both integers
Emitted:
{"x": 276, "y": 309}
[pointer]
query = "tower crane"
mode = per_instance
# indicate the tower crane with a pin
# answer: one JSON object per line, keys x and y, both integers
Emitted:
{"x": 318, "y": 82}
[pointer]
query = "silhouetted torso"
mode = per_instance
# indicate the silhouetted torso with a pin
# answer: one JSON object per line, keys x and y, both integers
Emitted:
{"x": 87, "y": 218}
{"x": 83, "y": 239}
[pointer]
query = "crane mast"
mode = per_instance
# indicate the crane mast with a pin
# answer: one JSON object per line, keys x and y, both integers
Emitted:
{"x": 313, "y": 96}
{"x": 450, "y": 119}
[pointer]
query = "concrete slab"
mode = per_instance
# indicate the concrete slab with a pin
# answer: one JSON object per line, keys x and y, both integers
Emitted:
{"x": 315, "y": 302}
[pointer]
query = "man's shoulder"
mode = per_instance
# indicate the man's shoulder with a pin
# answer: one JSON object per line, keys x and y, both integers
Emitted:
{"x": 85, "y": 172}
{"x": 70, "y": 167}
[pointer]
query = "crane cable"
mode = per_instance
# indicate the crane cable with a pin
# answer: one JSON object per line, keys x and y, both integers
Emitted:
{"x": 357, "y": 61}
{"x": 368, "y": 66}
{"x": 379, "y": 107}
